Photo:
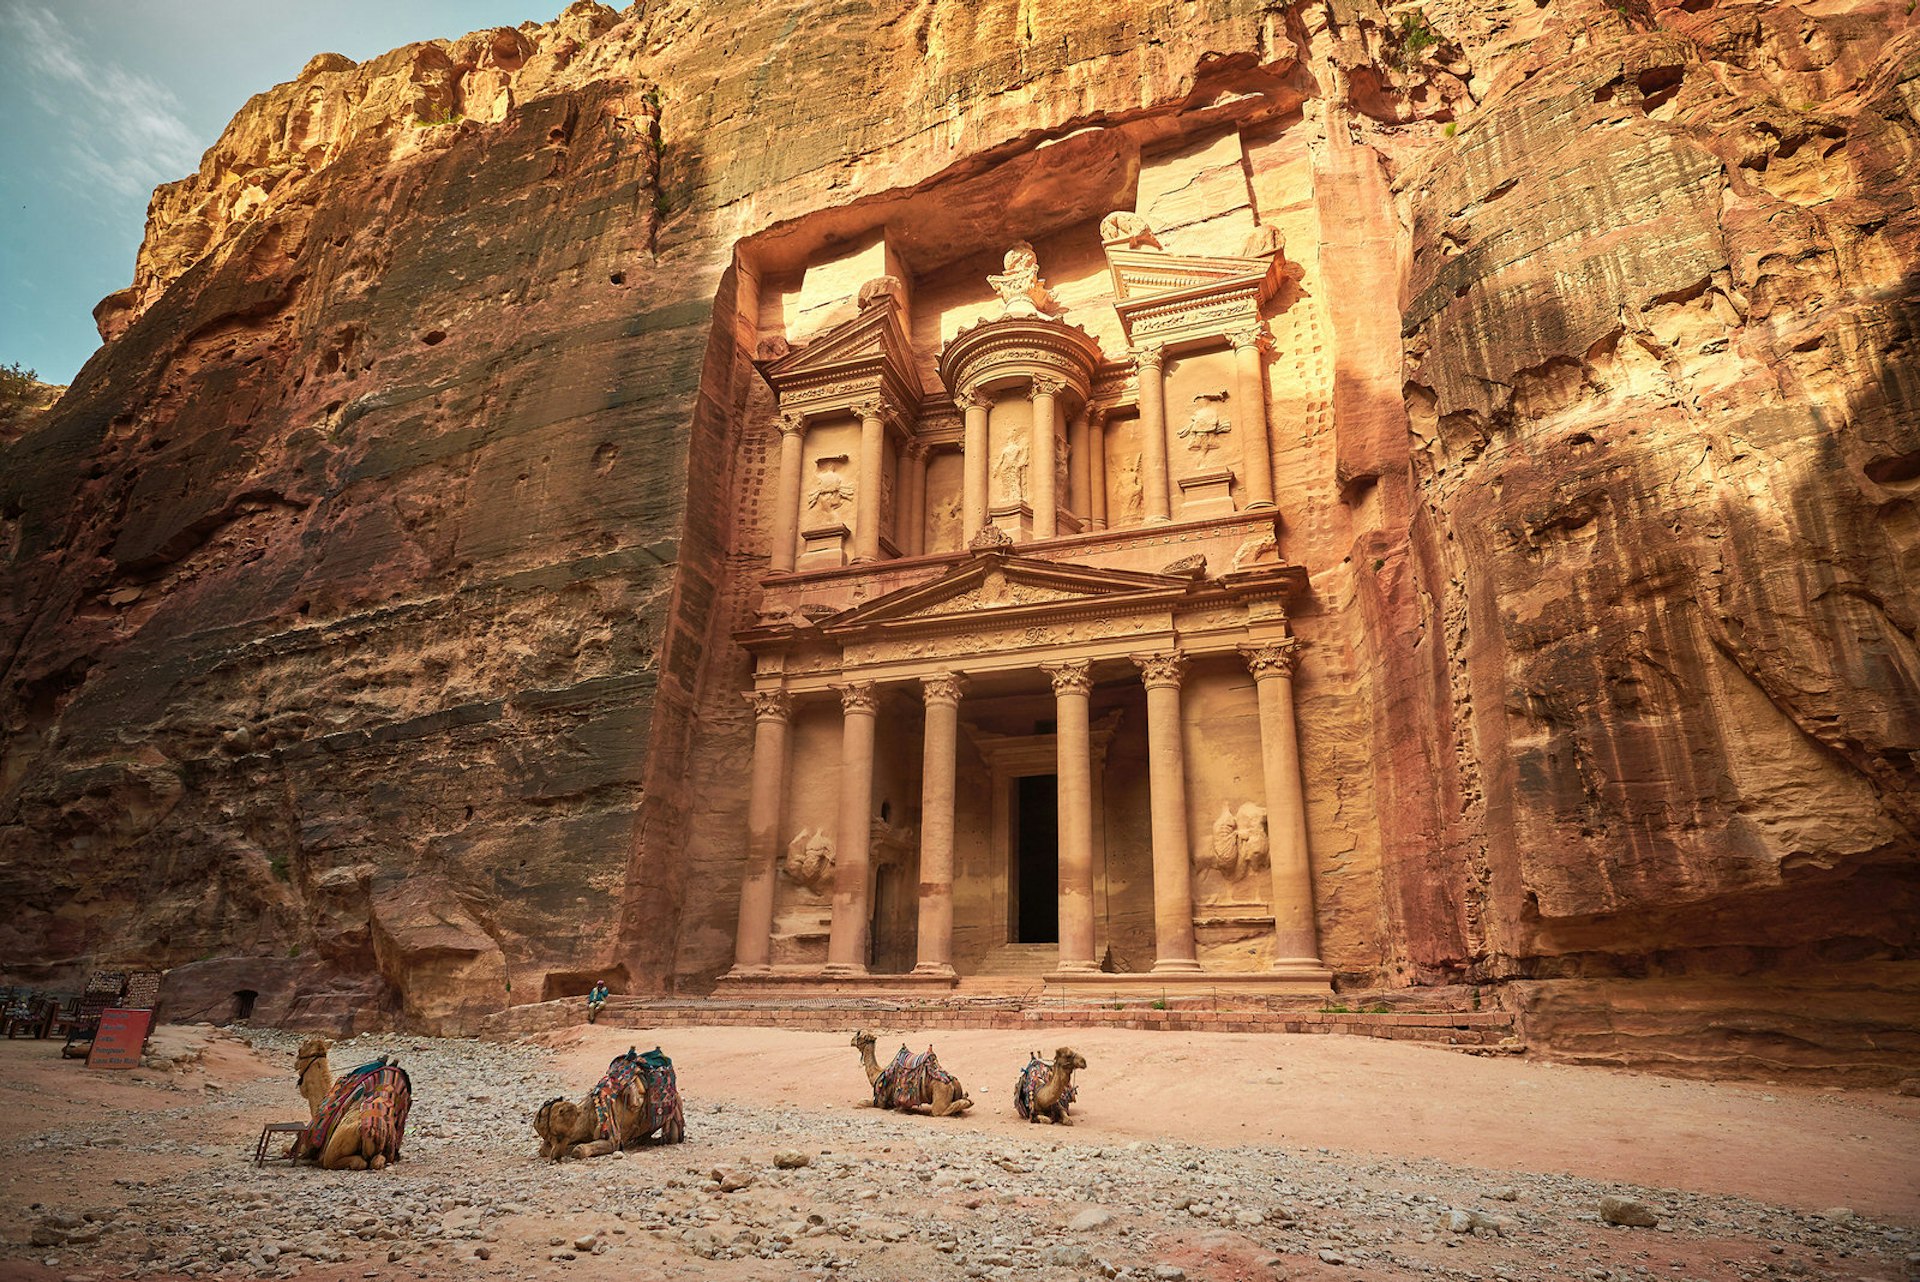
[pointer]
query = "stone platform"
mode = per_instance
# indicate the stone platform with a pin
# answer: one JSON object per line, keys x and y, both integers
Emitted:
{"x": 1477, "y": 1031}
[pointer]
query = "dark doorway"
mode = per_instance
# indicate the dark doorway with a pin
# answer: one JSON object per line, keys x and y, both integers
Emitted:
{"x": 894, "y": 939}
{"x": 1036, "y": 845}
{"x": 243, "y": 1003}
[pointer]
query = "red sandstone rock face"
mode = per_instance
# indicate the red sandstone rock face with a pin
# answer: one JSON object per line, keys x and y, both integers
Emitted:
{"x": 361, "y": 596}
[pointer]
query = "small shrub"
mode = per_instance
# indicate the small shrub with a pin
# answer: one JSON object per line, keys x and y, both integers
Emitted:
{"x": 1453, "y": 127}
{"x": 1416, "y": 37}
{"x": 436, "y": 116}
{"x": 279, "y": 866}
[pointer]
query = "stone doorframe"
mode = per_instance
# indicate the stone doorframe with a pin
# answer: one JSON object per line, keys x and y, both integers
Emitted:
{"x": 1010, "y": 757}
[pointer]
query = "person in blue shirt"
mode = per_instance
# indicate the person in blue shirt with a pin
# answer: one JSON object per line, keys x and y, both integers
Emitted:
{"x": 595, "y": 1000}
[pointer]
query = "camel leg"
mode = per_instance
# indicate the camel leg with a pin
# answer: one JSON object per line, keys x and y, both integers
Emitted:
{"x": 946, "y": 1103}
{"x": 343, "y": 1146}
{"x": 597, "y": 1148}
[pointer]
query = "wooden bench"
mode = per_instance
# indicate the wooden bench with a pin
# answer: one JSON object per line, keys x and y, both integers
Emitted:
{"x": 267, "y": 1133}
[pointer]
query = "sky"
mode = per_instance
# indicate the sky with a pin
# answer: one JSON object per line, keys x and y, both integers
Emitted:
{"x": 103, "y": 100}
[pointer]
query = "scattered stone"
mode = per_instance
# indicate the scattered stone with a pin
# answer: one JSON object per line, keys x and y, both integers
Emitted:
{"x": 792, "y": 1159}
{"x": 1626, "y": 1211}
{"x": 1090, "y": 1219}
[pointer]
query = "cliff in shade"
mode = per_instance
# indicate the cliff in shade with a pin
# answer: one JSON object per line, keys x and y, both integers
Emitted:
{"x": 366, "y": 611}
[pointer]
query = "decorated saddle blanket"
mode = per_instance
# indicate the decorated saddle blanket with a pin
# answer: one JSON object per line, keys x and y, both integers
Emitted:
{"x": 909, "y": 1080}
{"x": 384, "y": 1094}
{"x": 1036, "y": 1074}
{"x": 662, "y": 1112}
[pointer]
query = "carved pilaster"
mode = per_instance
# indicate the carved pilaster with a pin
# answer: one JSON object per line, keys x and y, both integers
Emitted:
{"x": 1162, "y": 668}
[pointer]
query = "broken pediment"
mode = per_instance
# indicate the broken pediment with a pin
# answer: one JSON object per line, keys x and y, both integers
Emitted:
{"x": 1168, "y": 299}
{"x": 866, "y": 356}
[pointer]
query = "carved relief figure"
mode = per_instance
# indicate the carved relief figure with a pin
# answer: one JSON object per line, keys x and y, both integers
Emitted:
{"x": 1206, "y": 422}
{"x": 1010, "y": 472}
{"x": 830, "y": 491}
{"x": 1022, "y": 292}
{"x": 809, "y": 860}
{"x": 1239, "y": 841}
{"x": 1128, "y": 493}
{"x": 1128, "y": 226}
{"x": 943, "y": 524}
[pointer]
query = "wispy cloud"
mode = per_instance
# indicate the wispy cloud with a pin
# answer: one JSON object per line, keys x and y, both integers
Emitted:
{"x": 127, "y": 134}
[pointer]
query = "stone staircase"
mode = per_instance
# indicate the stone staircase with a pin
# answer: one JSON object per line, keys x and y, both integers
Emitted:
{"x": 1029, "y": 960}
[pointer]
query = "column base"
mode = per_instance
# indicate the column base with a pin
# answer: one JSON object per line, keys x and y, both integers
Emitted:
{"x": 1157, "y": 520}
{"x": 934, "y": 970}
{"x": 756, "y": 971}
{"x": 1300, "y": 968}
{"x": 844, "y": 970}
{"x": 1177, "y": 966}
{"x": 1260, "y": 505}
{"x": 1081, "y": 967}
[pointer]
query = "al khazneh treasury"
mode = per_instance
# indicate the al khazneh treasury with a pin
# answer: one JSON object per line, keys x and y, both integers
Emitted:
{"x": 1022, "y": 674}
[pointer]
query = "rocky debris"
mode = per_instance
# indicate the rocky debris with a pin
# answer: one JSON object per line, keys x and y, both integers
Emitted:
{"x": 791, "y": 1160}
{"x": 1628, "y": 1212}
{"x": 880, "y": 1196}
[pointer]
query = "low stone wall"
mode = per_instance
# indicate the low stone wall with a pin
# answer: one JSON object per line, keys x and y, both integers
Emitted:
{"x": 1449, "y": 1028}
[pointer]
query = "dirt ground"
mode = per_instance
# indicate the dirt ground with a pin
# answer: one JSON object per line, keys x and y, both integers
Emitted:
{"x": 1214, "y": 1156}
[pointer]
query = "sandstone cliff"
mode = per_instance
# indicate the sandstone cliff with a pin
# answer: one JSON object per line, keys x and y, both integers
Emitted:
{"x": 366, "y": 598}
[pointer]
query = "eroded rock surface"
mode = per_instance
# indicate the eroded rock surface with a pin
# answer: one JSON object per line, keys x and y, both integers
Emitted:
{"x": 366, "y": 599}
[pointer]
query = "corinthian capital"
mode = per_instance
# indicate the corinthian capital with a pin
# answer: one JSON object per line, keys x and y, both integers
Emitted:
{"x": 1072, "y": 676}
{"x": 792, "y": 424}
{"x": 858, "y": 698}
{"x": 870, "y": 409}
{"x": 943, "y": 687}
{"x": 1253, "y": 336}
{"x": 1161, "y": 668}
{"x": 770, "y": 705}
{"x": 972, "y": 399}
{"x": 1149, "y": 356}
{"x": 1048, "y": 386}
{"x": 1272, "y": 658}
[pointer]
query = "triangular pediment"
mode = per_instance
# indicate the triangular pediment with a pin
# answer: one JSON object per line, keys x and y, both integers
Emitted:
{"x": 994, "y": 582}
{"x": 870, "y": 341}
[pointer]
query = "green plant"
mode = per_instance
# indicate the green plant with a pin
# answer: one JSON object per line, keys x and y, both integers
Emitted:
{"x": 1335, "y": 1008}
{"x": 1379, "y": 564}
{"x": 1452, "y": 128}
{"x": 1415, "y": 38}
{"x": 431, "y": 115}
{"x": 1379, "y": 1008}
{"x": 279, "y": 866}
{"x": 1160, "y": 1002}
{"x": 1476, "y": 998}
{"x": 293, "y": 950}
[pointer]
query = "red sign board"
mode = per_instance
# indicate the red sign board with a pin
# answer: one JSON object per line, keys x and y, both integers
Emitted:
{"x": 122, "y": 1034}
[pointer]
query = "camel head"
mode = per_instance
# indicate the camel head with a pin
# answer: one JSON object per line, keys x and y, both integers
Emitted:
{"x": 863, "y": 1040}
{"x": 1068, "y": 1059}
{"x": 554, "y": 1124}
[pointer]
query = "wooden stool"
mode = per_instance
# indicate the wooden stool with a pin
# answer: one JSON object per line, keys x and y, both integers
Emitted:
{"x": 267, "y": 1133}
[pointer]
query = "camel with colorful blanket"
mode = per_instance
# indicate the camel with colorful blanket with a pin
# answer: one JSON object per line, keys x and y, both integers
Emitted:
{"x": 1045, "y": 1090}
{"x": 358, "y": 1120}
{"x": 637, "y": 1100}
{"x": 911, "y": 1081}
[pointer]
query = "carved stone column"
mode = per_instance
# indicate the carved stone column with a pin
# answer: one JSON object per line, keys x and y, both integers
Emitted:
{"x": 873, "y": 445}
{"x": 1077, "y": 468}
{"x": 973, "y": 488}
{"x": 1167, "y": 782}
{"x": 1250, "y": 386}
{"x": 786, "y": 495}
{"x": 1295, "y": 945}
{"x": 1072, "y": 688}
{"x": 942, "y": 692}
{"x": 912, "y": 522}
{"x": 1097, "y": 468}
{"x": 1040, "y": 454}
{"x": 766, "y": 802}
{"x": 1149, "y": 362}
{"x": 847, "y": 938}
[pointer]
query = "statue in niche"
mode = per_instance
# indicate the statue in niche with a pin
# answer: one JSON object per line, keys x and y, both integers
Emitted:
{"x": 1010, "y": 472}
{"x": 809, "y": 860}
{"x": 1022, "y": 292}
{"x": 1124, "y": 225}
{"x": 1061, "y": 485}
{"x": 943, "y": 523}
{"x": 1239, "y": 841}
{"x": 1130, "y": 493}
{"x": 830, "y": 491}
{"x": 1205, "y": 423}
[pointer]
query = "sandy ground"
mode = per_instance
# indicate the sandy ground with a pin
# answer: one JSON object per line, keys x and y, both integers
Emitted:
{"x": 1217, "y": 1156}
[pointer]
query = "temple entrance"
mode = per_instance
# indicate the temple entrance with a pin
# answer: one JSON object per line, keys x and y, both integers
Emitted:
{"x": 896, "y": 924}
{"x": 1035, "y": 875}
